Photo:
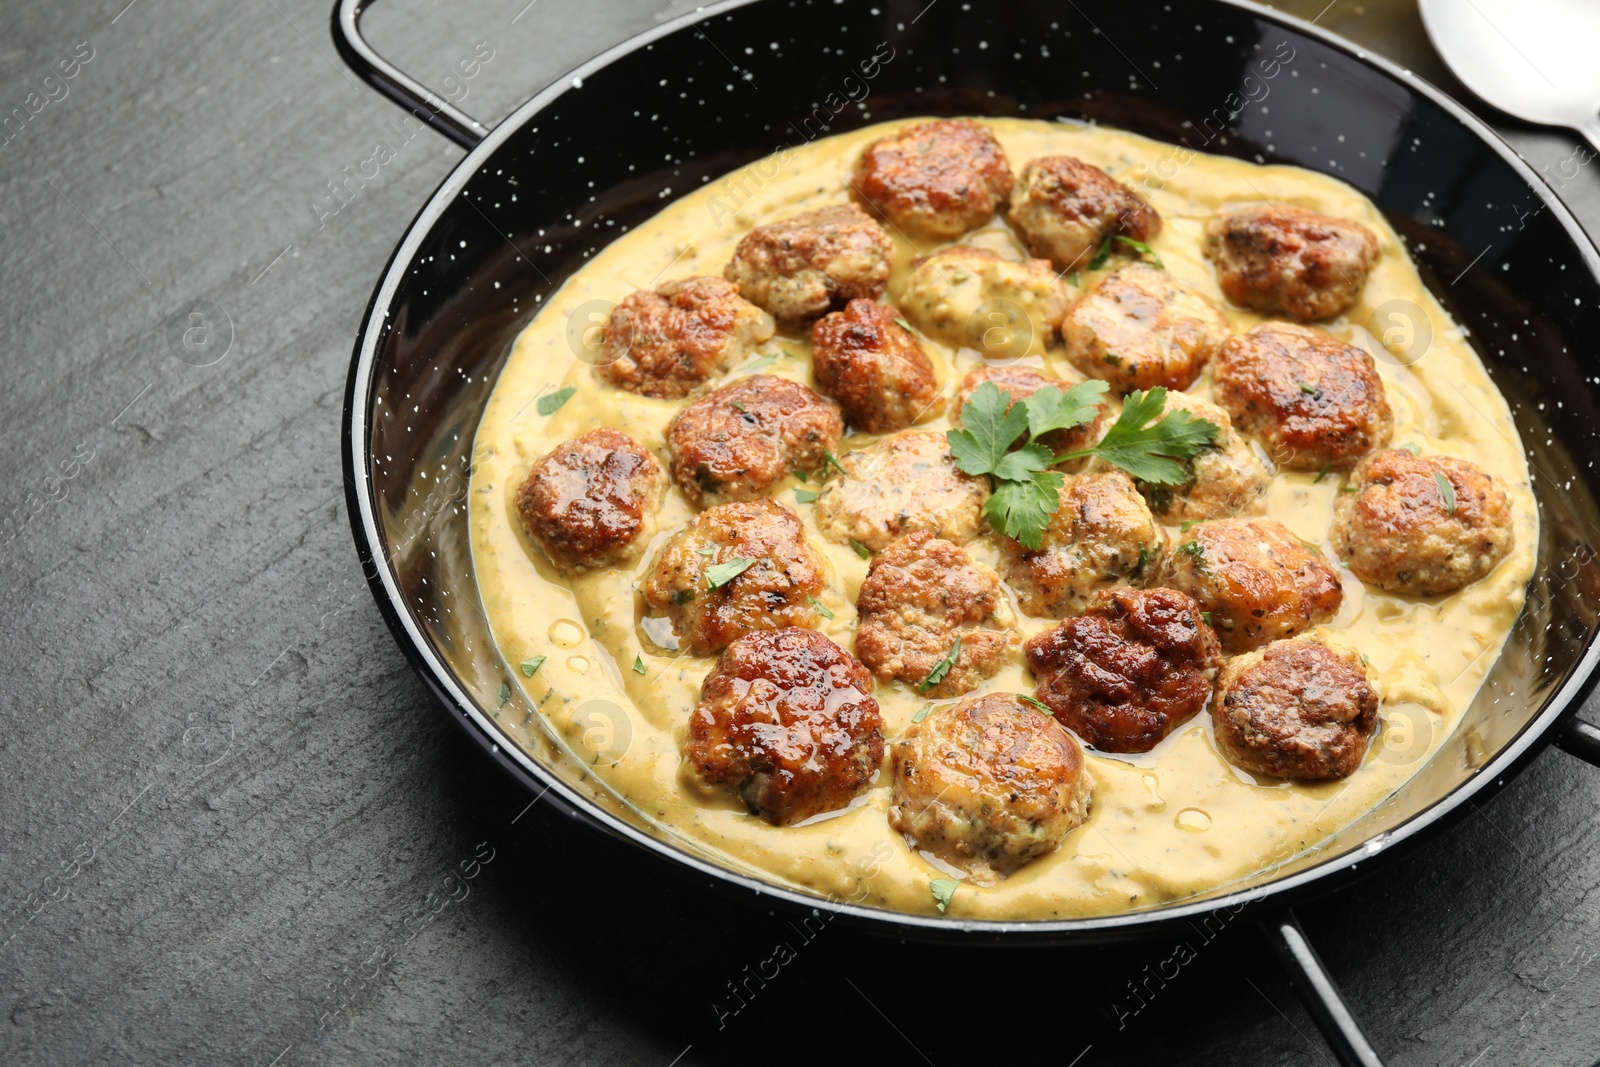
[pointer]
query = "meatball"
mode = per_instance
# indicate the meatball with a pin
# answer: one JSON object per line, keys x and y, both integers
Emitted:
{"x": 920, "y": 597}
{"x": 988, "y": 785}
{"x": 1296, "y": 709}
{"x": 1256, "y": 579}
{"x": 734, "y": 569}
{"x": 971, "y": 298}
{"x": 590, "y": 501}
{"x": 813, "y": 263}
{"x": 1401, "y": 531}
{"x": 668, "y": 342}
{"x": 1066, "y": 208}
{"x": 1225, "y": 478}
{"x": 935, "y": 179}
{"x": 1022, "y": 382}
{"x": 786, "y": 719}
{"x": 1310, "y": 399}
{"x": 897, "y": 486}
{"x": 1101, "y": 536}
{"x": 1128, "y": 671}
{"x": 1138, "y": 328}
{"x": 739, "y": 439}
{"x": 1273, "y": 257}
{"x": 874, "y": 367}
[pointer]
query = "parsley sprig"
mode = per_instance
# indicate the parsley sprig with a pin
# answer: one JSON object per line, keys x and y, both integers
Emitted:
{"x": 1026, "y": 490}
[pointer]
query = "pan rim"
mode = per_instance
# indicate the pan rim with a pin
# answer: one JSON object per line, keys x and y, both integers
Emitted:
{"x": 1320, "y": 877}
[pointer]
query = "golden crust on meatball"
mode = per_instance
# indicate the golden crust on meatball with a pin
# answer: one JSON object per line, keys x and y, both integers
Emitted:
{"x": 1138, "y": 328}
{"x": 1224, "y": 478}
{"x": 787, "y": 721}
{"x": 1421, "y": 525}
{"x": 590, "y": 502}
{"x": 1131, "y": 669}
{"x": 874, "y": 367}
{"x": 740, "y": 439}
{"x": 988, "y": 785}
{"x": 969, "y": 297}
{"x": 668, "y": 342}
{"x": 805, "y": 266}
{"x": 1279, "y": 258}
{"x": 1102, "y": 536}
{"x": 699, "y": 584}
{"x": 1258, "y": 581}
{"x": 1066, "y": 208}
{"x": 1296, "y": 709}
{"x": 935, "y": 179}
{"x": 920, "y": 595}
{"x": 1310, "y": 399}
{"x": 897, "y": 486}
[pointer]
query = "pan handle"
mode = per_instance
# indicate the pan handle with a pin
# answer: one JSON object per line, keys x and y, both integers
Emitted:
{"x": 394, "y": 83}
{"x": 1322, "y": 998}
{"x": 1578, "y": 738}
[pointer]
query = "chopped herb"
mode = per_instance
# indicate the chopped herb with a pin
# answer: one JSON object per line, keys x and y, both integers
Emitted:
{"x": 705, "y": 552}
{"x": 922, "y": 713}
{"x": 1446, "y": 491}
{"x": 1075, "y": 280}
{"x": 903, "y": 324}
{"x": 941, "y": 668}
{"x": 758, "y": 364}
{"x": 1143, "y": 249}
{"x": 549, "y": 405}
{"x": 638, "y": 665}
{"x": 735, "y": 405}
{"x": 1321, "y": 474}
{"x": 828, "y": 458}
{"x": 531, "y": 664}
{"x": 1183, "y": 527}
{"x": 1101, "y": 255}
{"x": 820, "y": 606}
{"x": 806, "y": 496}
{"x": 1348, "y": 489}
{"x": 943, "y": 889}
{"x": 861, "y": 550}
{"x": 1345, "y": 564}
{"x": 1194, "y": 550}
{"x": 1111, "y": 359}
{"x": 1036, "y": 702}
{"x": 1307, "y": 387}
{"x": 719, "y": 574}
{"x": 1144, "y": 557}
{"x": 505, "y": 694}
{"x": 1414, "y": 449}
{"x": 801, "y": 475}
{"x": 683, "y": 596}
{"x": 1206, "y": 615}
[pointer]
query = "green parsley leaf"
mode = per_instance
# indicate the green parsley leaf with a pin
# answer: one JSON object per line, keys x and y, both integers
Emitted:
{"x": 1321, "y": 474}
{"x": 505, "y": 694}
{"x": 941, "y": 668}
{"x": 735, "y": 405}
{"x": 861, "y": 550}
{"x": 1446, "y": 491}
{"x": 1206, "y": 615}
{"x": 904, "y": 325}
{"x": 829, "y": 459}
{"x": 1143, "y": 249}
{"x": 1051, "y": 409}
{"x": 1041, "y": 705}
{"x": 922, "y": 713}
{"x": 1144, "y": 557}
{"x": 943, "y": 889}
{"x": 991, "y": 423}
{"x": 638, "y": 665}
{"x": 1151, "y": 451}
{"x": 531, "y": 664}
{"x": 1021, "y": 509}
{"x": 820, "y": 606}
{"x": 1101, "y": 255}
{"x": 1308, "y": 388}
{"x": 549, "y": 405}
{"x": 1195, "y": 551}
{"x": 806, "y": 496}
{"x": 801, "y": 475}
{"x": 720, "y": 574}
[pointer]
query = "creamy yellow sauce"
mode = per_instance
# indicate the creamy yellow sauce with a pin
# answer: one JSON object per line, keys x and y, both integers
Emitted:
{"x": 1165, "y": 825}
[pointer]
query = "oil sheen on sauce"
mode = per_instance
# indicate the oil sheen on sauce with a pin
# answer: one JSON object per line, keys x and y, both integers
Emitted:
{"x": 1165, "y": 825}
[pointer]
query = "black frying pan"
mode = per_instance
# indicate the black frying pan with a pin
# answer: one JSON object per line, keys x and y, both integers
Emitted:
{"x": 734, "y": 82}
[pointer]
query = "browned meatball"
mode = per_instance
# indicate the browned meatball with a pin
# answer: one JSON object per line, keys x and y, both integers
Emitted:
{"x": 1224, "y": 478}
{"x": 1138, "y": 328}
{"x": 734, "y": 569}
{"x": 1310, "y": 399}
{"x": 786, "y": 719}
{"x": 921, "y": 595}
{"x": 874, "y": 367}
{"x": 738, "y": 440}
{"x": 813, "y": 263}
{"x": 1400, "y": 531}
{"x": 1022, "y": 382}
{"x": 1296, "y": 709}
{"x": 1129, "y": 670}
{"x": 1274, "y": 257}
{"x": 969, "y": 297}
{"x": 668, "y": 342}
{"x": 1255, "y": 578}
{"x": 1101, "y": 536}
{"x": 935, "y": 179}
{"x": 988, "y": 785}
{"x": 1066, "y": 208}
{"x": 588, "y": 502}
{"x": 898, "y": 485}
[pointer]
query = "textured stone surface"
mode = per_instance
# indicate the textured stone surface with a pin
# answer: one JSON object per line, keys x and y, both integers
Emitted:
{"x": 230, "y": 815}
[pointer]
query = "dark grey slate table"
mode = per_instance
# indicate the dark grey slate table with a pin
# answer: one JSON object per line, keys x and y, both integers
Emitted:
{"x": 232, "y": 827}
